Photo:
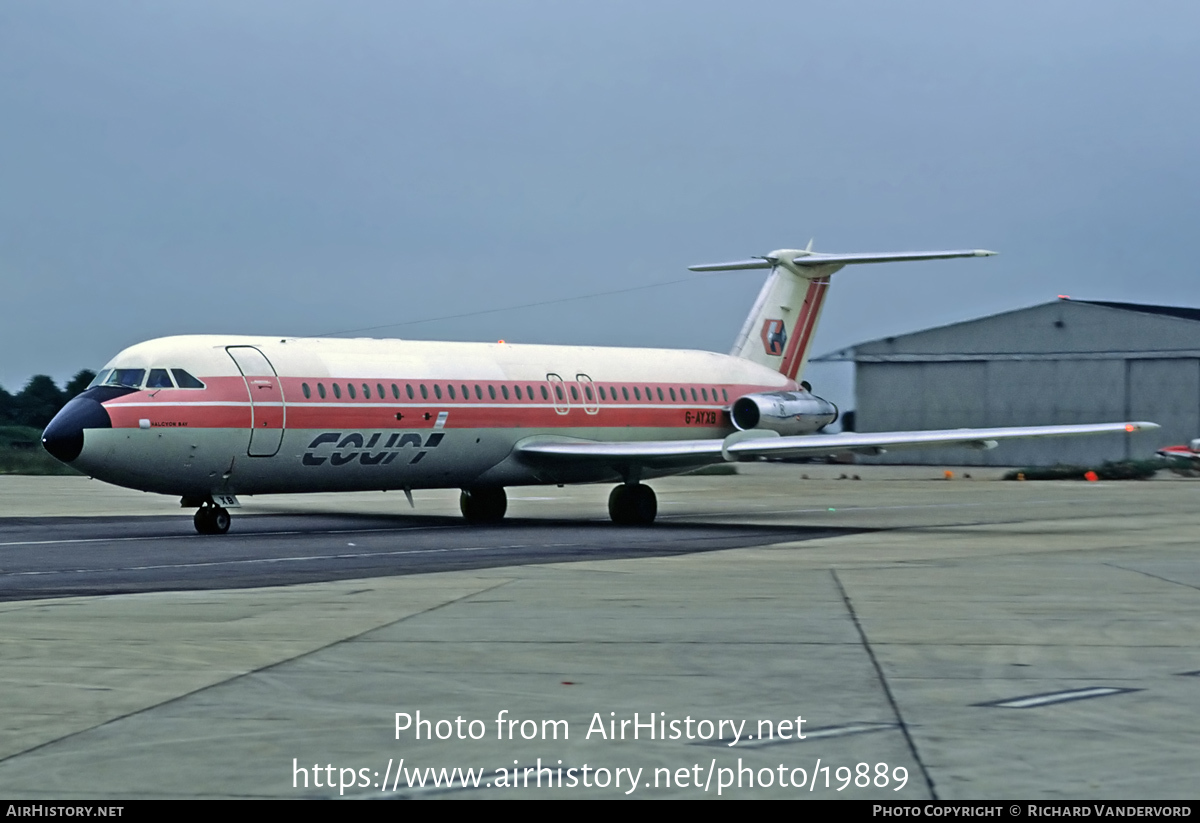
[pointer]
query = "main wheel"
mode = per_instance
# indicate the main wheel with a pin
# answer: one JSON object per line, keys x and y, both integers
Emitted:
{"x": 220, "y": 520}
{"x": 633, "y": 505}
{"x": 483, "y": 505}
{"x": 211, "y": 520}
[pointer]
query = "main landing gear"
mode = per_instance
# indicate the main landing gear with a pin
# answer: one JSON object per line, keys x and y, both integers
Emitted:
{"x": 211, "y": 519}
{"x": 483, "y": 505}
{"x": 632, "y": 505}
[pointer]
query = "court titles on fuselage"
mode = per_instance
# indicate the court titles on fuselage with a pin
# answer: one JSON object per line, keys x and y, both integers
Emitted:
{"x": 210, "y": 417}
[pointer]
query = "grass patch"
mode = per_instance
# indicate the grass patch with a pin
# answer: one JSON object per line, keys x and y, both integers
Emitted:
{"x": 21, "y": 452}
{"x": 1114, "y": 470}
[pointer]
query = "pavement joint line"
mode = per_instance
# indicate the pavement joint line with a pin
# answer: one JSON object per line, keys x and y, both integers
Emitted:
{"x": 259, "y": 670}
{"x": 1033, "y": 701}
{"x": 1150, "y": 574}
{"x": 891, "y": 698}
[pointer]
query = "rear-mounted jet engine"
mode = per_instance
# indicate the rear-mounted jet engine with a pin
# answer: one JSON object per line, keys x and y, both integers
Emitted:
{"x": 785, "y": 412}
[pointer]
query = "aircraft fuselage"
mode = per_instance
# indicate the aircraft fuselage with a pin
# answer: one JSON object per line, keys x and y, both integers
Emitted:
{"x": 303, "y": 415}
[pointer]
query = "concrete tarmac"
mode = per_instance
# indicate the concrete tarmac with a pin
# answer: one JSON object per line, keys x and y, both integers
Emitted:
{"x": 902, "y": 640}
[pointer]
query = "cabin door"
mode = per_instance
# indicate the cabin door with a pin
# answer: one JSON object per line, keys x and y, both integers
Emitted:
{"x": 268, "y": 414}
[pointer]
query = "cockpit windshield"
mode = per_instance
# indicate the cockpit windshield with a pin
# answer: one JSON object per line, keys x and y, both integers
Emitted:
{"x": 185, "y": 380}
{"x": 159, "y": 379}
{"x": 136, "y": 379}
{"x": 127, "y": 378}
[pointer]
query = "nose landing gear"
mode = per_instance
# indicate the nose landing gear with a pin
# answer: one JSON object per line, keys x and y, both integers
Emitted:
{"x": 211, "y": 519}
{"x": 632, "y": 505}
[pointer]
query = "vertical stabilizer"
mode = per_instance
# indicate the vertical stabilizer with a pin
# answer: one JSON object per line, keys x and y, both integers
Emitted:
{"x": 780, "y": 329}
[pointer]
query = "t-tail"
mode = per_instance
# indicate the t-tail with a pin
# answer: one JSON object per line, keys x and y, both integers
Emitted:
{"x": 779, "y": 330}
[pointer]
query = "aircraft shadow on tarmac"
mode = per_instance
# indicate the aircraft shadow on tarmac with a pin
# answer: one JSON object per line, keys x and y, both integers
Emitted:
{"x": 73, "y": 556}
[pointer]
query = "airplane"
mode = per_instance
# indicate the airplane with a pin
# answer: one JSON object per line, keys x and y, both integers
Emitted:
{"x": 1189, "y": 453}
{"x": 208, "y": 418}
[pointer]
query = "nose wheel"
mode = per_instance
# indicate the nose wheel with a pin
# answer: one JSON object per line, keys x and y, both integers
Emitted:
{"x": 634, "y": 505}
{"x": 483, "y": 505}
{"x": 211, "y": 520}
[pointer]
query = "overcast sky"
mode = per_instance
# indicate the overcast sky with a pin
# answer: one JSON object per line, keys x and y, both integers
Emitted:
{"x": 304, "y": 168}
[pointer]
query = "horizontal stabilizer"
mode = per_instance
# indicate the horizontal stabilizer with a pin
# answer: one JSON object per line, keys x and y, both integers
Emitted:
{"x": 810, "y": 259}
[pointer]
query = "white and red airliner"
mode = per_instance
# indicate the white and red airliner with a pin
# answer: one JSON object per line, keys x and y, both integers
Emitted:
{"x": 209, "y": 418}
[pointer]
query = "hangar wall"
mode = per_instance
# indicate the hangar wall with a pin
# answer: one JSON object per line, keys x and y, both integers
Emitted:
{"x": 1057, "y": 363}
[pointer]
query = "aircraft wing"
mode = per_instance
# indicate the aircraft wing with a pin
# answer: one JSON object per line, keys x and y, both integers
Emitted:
{"x": 749, "y": 445}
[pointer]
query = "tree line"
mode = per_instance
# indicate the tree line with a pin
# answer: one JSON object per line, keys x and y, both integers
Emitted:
{"x": 37, "y": 403}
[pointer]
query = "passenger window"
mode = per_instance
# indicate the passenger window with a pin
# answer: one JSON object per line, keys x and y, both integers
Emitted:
{"x": 307, "y": 391}
{"x": 337, "y": 392}
{"x": 575, "y": 394}
{"x": 637, "y": 393}
{"x": 379, "y": 389}
{"x": 704, "y": 392}
{"x": 395, "y": 391}
{"x": 321, "y": 390}
{"x": 350, "y": 390}
{"x": 725, "y": 394}
{"x": 672, "y": 390}
{"x": 545, "y": 394}
{"x": 450, "y": 388}
{"x": 492, "y": 392}
{"x": 478, "y": 392}
{"x": 529, "y": 389}
{"x": 559, "y": 392}
{"x": 517, "y": 391}
{"x": 366, "y": 392}
{"x": 437, "y": 391}
{"x": 660, "y": 394}
{"x": 587, "y": 390}
{"x": 408, "y": 389}
{"x": 625, "y": 391}
{"x": 424, "y": 392}
{"x": 694, "y": 397}
{"x": 466, "y": 392}
{"x": 602, "y": 395}
{"x": 504, "y": 391}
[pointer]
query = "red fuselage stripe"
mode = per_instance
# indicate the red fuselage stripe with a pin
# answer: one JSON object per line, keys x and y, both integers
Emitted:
{"x": 224, "y": 404}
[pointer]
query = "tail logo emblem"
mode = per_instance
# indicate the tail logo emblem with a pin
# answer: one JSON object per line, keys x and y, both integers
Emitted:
{"x": 774, "y": 337}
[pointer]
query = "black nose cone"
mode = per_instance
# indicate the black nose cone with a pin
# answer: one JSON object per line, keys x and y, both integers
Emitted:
{"x": 63, "y": 438}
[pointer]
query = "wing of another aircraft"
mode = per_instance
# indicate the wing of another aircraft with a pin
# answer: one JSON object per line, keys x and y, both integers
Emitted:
{"x": 664, "y": 454}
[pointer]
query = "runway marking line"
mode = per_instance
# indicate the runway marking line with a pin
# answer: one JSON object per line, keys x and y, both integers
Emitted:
{"x": 296, "y": 559}
{"x": 1049, "y": 698}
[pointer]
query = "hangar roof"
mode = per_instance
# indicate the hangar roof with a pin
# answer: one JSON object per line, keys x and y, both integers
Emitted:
{"x": 1059, "y": 330}
{"x": 1167, "y": 311}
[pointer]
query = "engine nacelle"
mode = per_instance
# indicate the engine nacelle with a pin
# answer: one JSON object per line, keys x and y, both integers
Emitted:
{"x": 785, "y": 412}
